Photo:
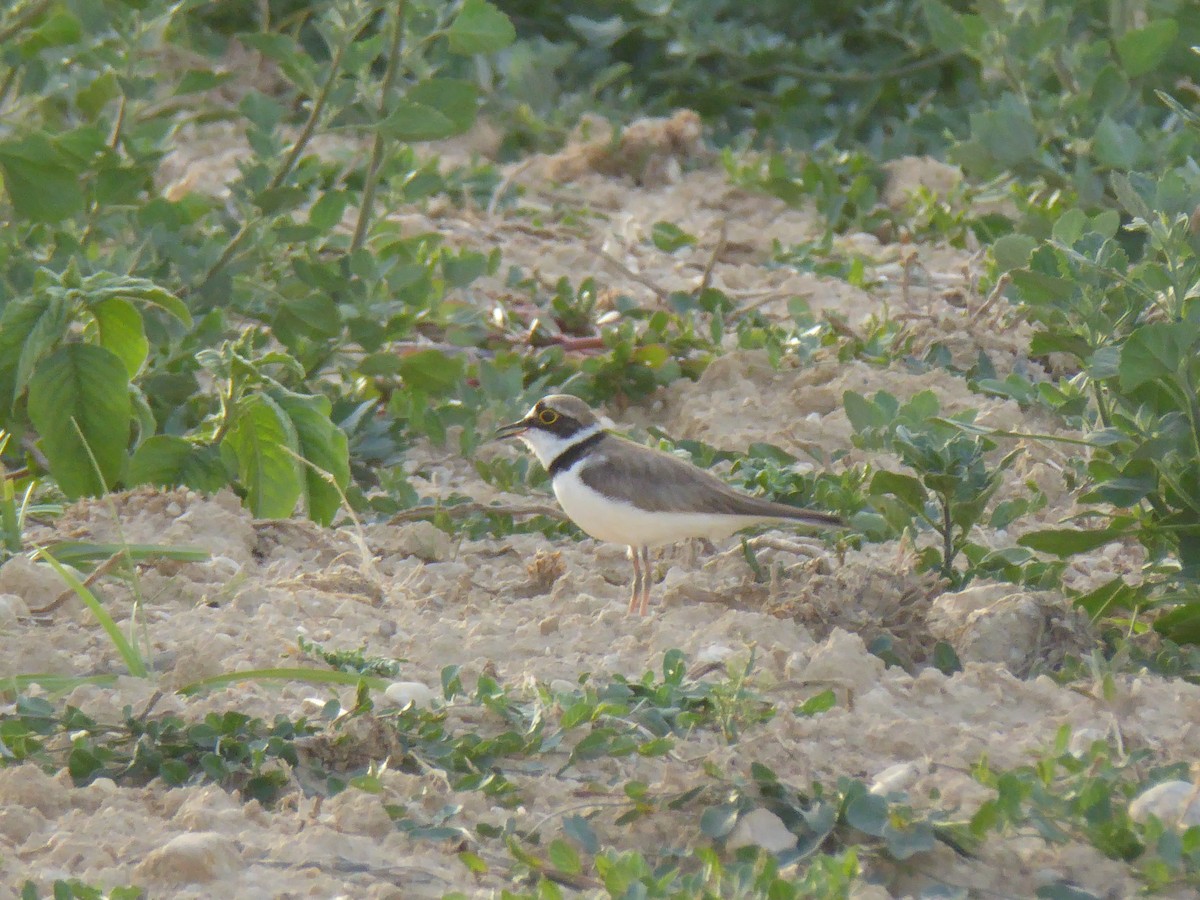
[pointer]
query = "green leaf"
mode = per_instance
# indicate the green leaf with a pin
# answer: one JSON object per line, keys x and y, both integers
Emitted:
{"x": 1181, "y": 624}
{"x": 324, "y": 445}
{"x": 120, "y": 326}
{"x": 473, "y": 862}
{"x": 1142, "y": 50}
{"x": 409, "y": 121}
{"x": 79, "y": 399}
{"x": 432, "y": 371}
{"x": 1062, "y": 891}
{"x": 1112, "y": 595}
{"x": 576, "y": 827}
{"x": 168, "y": 461}
{"x": 1012, "y": 251}
{"x": 57, "y": 30}
{"x": 905, "y": 488}
{"x": 480, "y": 27}
{"x": 1156, "y": 351}
{"x": 260, "y": 440}
{"x": 669, "y": 237}
{"x": 564, "y": 857}
{"x": 862, "y": 413}
{"x": 1116, "y": 145}
{"x": 945, "y": 659}
{"x": 817, "y": 704}
{"x": 718, "y": 821}
{"x": 1063, "y": 542}
{"x": 453, "y": 98}
{"x": 1007, "y": 131}
{"x": 29, "y": 329}
{"x": 39, "y": 181}
{"x": 868, "y": 813}
{"x": 946, "y": 29}
{"x": 327, "y": 211}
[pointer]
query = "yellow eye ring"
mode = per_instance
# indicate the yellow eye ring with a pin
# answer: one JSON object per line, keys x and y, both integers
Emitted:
{"x": 547, "y": 417}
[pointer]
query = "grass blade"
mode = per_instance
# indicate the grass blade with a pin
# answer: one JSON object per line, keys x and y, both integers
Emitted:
{"x": 133, "y": 660}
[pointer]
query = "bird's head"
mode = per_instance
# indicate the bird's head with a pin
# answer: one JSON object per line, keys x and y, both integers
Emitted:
{"x": 554, "y": 424}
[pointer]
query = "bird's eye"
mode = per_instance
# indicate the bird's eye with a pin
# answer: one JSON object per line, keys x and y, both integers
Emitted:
{"x": 547, "y": 417}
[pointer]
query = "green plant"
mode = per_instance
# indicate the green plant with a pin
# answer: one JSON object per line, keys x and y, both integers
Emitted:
{"x": 843, "y": 185}
{"x": 231, "y": 749}
{"x": 953, "y": 485}
{"x": 1132, "y": 327}
{"x": 797, "y": 73}
{"x": 74, "y": 889}
{"x": 116, "y": 296}
{"x": 354, "y": 661}
{"x": 1085, "y": 796}
{"x": 1063, "y": 90}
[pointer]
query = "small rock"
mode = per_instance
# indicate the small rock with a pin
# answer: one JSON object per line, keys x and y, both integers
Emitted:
{"x": 761, "y": 828}
{"x": 424, "y": 540}
{"x": 842, "y": 658}
{"x": 12, "y": 608}
{"x": 193, "y": 858}
{"x": 896, "y": 779}
{"x": 991, "y": 623}
{"x": 714, "y": 653}
{"x": 403, "y": 693}
{"x": 548, "y": 625}
{"x": 1174, "y": 803}
{"x": 37, "y": 585}
{"x": 562, "y": 686}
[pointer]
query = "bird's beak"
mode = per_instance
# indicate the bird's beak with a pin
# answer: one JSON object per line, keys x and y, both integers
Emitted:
{"x": 512, "y": 429}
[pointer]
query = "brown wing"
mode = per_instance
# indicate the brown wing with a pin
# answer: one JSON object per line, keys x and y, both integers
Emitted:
{"x": 652, "y": 480}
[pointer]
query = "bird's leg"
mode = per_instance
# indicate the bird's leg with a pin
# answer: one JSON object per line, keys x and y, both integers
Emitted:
{"x": 647, "y": 580}
{"x": 637, "y": 580}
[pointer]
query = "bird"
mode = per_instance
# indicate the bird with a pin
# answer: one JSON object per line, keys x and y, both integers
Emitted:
{"x": 623, "y": 492}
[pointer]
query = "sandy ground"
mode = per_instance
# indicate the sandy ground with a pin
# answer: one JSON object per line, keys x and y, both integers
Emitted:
{"x": 433, "y": 600}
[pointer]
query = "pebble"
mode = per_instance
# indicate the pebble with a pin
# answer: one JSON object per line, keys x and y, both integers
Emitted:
{"x": 12, "y": 608}
{"x": 1172, "y": 802}
{"x": 761, "y": 828}
{"x": 193, "y": 858}
{"x": 403, "y": 693}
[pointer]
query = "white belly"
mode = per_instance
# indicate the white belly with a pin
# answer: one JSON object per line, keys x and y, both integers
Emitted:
{"x": 622, "y": 523}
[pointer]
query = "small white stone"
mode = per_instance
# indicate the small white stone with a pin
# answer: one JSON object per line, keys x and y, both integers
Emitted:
{"x": 896, "y": 779}
{"x": 225, "y": 565}
{"x": 403, "y": 693}
{"x": 424, "y": 540}
{"x": 714, "y": 653}
{"x": 1174, "y": 803}
{"x": 559, "y": 686}
{"x": 761, "y": 828}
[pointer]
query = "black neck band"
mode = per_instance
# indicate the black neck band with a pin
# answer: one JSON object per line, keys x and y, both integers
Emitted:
{"x": 573, "y": 454}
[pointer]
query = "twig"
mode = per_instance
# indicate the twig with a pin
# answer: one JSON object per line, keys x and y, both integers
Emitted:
{"x": 994, "y": 295}
{"x": 628, "y": 272}
{"x": 417, "y": 513}
{"x": 506, "y": 183}
{"x": 97, "y": 573}
{"x": 371, "y": 182}
{"x": 301, "y": 142}
{"x": 706, "y": 280}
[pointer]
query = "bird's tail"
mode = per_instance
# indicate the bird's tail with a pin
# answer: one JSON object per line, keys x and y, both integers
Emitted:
{"x": 811, "y": 517}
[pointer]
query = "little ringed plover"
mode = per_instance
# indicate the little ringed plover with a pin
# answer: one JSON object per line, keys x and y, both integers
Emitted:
{"x": 625, "y": 493}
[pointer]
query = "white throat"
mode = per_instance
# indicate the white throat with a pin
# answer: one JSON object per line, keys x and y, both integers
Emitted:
{"x": 548, "y": 447}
